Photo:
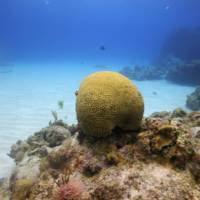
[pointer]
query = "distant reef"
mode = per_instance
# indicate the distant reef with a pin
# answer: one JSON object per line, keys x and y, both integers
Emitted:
{"x": 159, "y": 161}
{"x": 187, "y": 74}
{"x": 193, "y": 100}
{"x": 142, "y": 73}
{"x": 176, "y": 71}
{"x": 177, "y": 62}
{"x": 180, "y": 56}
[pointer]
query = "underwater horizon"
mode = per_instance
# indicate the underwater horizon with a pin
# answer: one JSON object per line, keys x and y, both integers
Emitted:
{"x": 48, "y": 47}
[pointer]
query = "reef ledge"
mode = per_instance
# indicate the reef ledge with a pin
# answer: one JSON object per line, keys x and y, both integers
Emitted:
{"x": 160, "y": 161}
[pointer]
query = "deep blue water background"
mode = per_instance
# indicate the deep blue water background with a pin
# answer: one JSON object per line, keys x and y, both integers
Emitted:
{"x": 73, "y": 30}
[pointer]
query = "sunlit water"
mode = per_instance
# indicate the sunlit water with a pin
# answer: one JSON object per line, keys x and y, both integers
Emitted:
{"x": 29, "y": 93}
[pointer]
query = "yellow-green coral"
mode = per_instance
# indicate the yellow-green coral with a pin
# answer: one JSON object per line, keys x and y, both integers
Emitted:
{"x": 22, "y": 189}
{"x": 107, "y": 100}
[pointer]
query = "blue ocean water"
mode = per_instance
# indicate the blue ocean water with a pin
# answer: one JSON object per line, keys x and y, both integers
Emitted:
{"x": 48, "y": 46}
{"x": 51, "y": 30}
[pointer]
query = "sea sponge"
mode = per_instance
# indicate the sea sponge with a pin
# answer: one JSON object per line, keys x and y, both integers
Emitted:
{"x": 107, "y": 100}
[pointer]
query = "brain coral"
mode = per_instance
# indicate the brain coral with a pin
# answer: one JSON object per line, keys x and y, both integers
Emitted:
{"x": 107, "y": 100}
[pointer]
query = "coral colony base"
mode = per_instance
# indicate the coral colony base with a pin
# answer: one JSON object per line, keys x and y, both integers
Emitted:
{"x": 158, "y": 161}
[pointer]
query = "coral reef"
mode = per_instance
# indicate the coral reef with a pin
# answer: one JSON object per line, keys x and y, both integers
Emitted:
{"x": 18, "y": 150}
{"x": 179, "y": 112}
{"x": 171, "y": 69}
{"x": 159, "y": 161}
{"x": 143, "y": 73}
{"x": 193, "y": 100}
{"x": 22, "y": 189}
{"x": 107, "y": 100}
{"x": 175, "y": 63}
{"x": 4, "y": 189}
{"x": 188, "y": 73}
{"x": 180, "y": 64}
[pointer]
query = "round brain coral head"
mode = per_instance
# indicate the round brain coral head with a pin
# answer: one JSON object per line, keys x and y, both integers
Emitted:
{"x": 107, "y": 100}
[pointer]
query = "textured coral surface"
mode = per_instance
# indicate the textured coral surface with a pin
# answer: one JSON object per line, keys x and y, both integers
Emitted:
{"x": 107, "y": 100}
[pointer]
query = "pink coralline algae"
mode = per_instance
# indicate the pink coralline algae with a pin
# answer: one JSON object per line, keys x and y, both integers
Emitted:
{"x": 70, "y": 191}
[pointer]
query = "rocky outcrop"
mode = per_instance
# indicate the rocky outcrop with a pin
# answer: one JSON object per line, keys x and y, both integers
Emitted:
{"x": 193, "y": 100}
{"x": 160, "y": 161}
{"x": 187, "y": 74}
{"x": 28, "y": 155}
{"x": 4, "y": 189}
{"x": 180, "y": 72}
{"x": 143, "y": 73}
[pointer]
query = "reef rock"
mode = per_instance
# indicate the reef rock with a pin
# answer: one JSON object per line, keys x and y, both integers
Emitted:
{"x": 143, "y": 73}
{"x": 55, "y": 135}
{"x": 179, "y": 112}
{"x": 4, "y": 189}
{"x": 18, "y": 150}
{"x": 193, "y": 100}
{"x": 159, "y": 161}
{"x": 187, "y": 74}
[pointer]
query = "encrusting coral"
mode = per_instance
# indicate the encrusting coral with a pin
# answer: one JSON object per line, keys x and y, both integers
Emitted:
{"x": 22, "y": 189}
{"x": 107, "y": 100}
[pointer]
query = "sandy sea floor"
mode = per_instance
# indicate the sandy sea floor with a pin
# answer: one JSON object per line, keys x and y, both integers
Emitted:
{"x": 28, "y": 94}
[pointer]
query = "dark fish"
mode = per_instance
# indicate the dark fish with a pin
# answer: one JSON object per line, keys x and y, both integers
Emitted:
{"x": 76, "y": 93}
{"x": 102, "y": 48}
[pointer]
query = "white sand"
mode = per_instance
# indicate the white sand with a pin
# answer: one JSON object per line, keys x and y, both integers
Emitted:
{"x": 29, "y": 93}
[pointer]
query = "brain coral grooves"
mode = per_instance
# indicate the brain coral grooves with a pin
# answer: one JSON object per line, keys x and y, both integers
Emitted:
{"x": 107, "y": 100}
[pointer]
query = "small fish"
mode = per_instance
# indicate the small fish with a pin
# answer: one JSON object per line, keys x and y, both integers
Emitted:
{"x": 76, "y": 93}
{"x": 102, "y": 48}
